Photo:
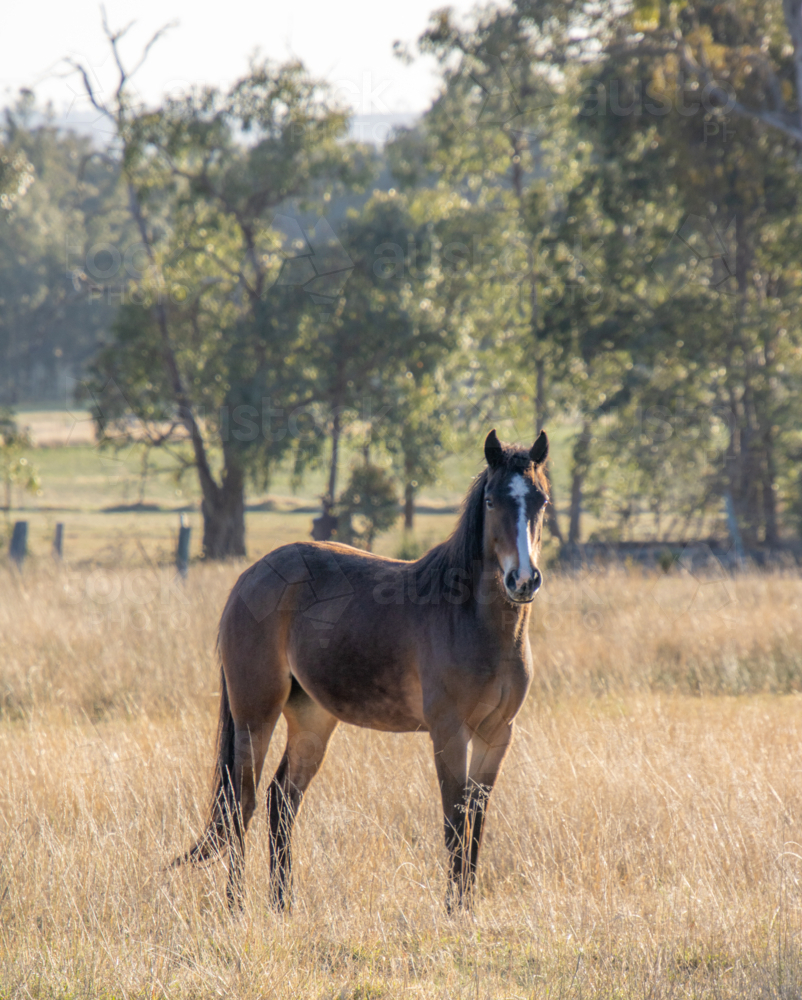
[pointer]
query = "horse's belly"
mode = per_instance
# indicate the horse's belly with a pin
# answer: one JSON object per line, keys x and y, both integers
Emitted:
{"x": 355, "y": 690}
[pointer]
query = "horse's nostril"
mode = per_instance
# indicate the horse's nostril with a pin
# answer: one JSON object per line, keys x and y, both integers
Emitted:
{"x": 510, "y": 581}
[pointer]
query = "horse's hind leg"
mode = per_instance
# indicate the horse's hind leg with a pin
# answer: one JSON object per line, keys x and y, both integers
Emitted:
{"x": 308, "y": 730}
{"x": 250, "y": 746}
{"x": 258, "y": 683}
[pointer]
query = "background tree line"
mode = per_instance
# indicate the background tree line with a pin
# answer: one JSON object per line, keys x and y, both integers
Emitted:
{"x": 597, "y": 222}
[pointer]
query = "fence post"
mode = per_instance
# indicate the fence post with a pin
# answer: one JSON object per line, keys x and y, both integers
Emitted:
{"x": 19, "y": 542}
{"x": 58, "y": 542}
{"x": 182, "y": 555}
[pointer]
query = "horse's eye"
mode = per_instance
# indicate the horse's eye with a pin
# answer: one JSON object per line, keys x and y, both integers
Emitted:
{"x": 489, "y": 502}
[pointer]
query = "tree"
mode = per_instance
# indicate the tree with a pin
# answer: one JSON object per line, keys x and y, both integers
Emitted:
{"x": 209, "y": 336}
{"x": 417, "y": 435}
{"x": 725, "y": 336}
{"x": 367, "y": 359}
{"x": 367, "y": 507}
{"x": 500, "y": 135}
{"x": 601, "y": 184}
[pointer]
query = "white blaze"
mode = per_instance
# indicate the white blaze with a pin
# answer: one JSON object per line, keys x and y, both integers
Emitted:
{"x": 519, "y": 488}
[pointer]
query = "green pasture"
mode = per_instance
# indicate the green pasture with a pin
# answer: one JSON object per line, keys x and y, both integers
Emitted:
{"x": 115, "y": 510}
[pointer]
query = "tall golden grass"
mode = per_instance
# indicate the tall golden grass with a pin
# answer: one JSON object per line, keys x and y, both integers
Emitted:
{"x": 644, "y": 838}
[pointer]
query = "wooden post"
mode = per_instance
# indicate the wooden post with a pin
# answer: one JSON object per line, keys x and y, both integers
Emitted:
{"x": 182, "y": 555}
{"x": 58, "y": 542}
{"x": 19, "y": 542}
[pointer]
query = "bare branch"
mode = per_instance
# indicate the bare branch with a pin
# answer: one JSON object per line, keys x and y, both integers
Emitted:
{"x": 90, "y": 90}
{"x": 115, "y": 36}
{"x": 159, "y": 34}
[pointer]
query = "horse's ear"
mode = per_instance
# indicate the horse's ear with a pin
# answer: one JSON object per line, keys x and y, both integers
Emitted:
{"x": 494, "y": 453}
{"x": 539, "y": 451}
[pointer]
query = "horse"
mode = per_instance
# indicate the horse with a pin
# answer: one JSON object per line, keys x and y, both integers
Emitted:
{"x": 324, "y": 633}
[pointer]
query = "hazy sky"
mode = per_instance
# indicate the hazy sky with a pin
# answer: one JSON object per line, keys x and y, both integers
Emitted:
{"x": 349, "y": 43}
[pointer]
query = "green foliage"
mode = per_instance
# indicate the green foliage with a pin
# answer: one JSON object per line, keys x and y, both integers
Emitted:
{"x": 16, "y": 471}
{"x": 54, "y": 246}
{"x": 679, "y": 384}
{"x": 16, "y": 176}
{"x": 367, "y": 507}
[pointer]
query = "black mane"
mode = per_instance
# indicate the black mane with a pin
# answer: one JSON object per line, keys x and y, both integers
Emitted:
{"x": 464, "y": 548}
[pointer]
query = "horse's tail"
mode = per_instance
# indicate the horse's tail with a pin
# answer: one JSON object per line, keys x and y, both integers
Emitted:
{"x": 224, "y": 813}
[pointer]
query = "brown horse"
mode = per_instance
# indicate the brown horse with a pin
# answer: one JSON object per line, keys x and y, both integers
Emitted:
{"x": 324, "y": 633}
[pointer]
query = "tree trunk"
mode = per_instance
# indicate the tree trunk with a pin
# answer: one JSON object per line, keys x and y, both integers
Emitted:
{"x": 751, "y": 493}
{"x": 749, "y": 496}
{"x": 552, "y": 521}
{"x": 409, "y": 507}
{"x": 331, "y": 496}
{"x": 223, "y": 506}
{"x": 577, "y": 481}
{"x": 223, "y": 509}
{"x": 772, "y": 534}
{"x": 575, "y": 517}
{"x": 768, "y": 416}
{"x": 540, "y": 392}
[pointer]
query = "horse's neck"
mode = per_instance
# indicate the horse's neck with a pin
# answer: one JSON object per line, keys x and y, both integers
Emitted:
{"x": 485, "y": 595}
{"x": 508, "y": 621}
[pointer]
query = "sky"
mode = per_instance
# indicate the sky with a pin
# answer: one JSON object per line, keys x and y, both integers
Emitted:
{"x": 348, "y": 42}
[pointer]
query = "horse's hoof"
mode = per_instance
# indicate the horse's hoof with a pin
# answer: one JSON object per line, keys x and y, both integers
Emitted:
{"x": 279, "y": 902}
{"x": 458, "y": 902}
{"x": 236, "y": 905}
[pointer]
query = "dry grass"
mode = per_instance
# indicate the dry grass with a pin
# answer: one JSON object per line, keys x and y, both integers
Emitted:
{"x": 644, "y": 839}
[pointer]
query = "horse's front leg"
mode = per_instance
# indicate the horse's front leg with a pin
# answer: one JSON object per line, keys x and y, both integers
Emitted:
{"x": 489, "y": 745}
{"x": 450, "y": 739}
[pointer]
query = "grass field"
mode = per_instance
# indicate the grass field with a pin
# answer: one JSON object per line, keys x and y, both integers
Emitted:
{"x": 645, "y": 838}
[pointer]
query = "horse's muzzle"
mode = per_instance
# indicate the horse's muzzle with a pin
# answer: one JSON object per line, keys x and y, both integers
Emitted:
{"x": 522, "y": 592}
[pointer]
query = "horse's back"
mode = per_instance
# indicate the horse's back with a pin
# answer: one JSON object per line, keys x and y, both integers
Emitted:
{"x": 316, "y": 579}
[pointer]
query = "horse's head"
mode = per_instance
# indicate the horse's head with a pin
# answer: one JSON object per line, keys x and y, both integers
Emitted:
{"x": 515, "y": 498}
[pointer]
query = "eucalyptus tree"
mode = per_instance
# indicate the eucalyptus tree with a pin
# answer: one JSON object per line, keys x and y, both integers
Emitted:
{"x": 206, "y": 346}
{"x": 369, "y": 353}
{"x": 503, "y": 136}
{"x": 605, "y": 183}
{"x": 723, "y": 334}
